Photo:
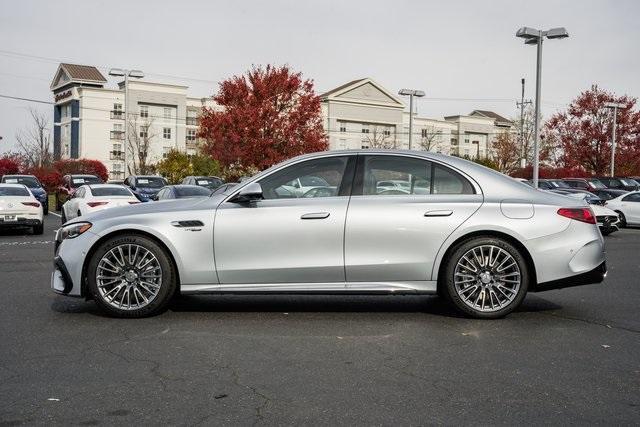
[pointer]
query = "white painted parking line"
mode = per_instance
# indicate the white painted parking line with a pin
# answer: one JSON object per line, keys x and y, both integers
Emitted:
{"x": 53, "y": 213}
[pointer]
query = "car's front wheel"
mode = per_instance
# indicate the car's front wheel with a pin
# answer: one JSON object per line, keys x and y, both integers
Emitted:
{"x": 486, "y": 277}
{"x": 131, "y": 276}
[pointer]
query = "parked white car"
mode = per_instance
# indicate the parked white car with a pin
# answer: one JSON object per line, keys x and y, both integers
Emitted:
{"x": 628, "y": 208}
{"x": 20, "y": 208}
{"x": 96, "y": 197}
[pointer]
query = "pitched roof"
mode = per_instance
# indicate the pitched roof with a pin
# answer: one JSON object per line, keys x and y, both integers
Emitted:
{"x": 497, "y": 117}
{"x": 339, "y": 88}
{"x": 83, "y": 72}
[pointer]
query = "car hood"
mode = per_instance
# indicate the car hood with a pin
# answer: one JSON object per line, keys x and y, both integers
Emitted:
{"x": 154, "y": 207}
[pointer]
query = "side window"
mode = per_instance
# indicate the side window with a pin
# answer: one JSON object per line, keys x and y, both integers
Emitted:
{"x": 448, "y": 181}
{"x": 635, "y": 197}
{"x": 313, "y": 178}
{"x": 396, "y": 175}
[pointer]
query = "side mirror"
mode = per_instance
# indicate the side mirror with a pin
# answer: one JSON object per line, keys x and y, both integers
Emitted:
{"x": 250, "y": 193}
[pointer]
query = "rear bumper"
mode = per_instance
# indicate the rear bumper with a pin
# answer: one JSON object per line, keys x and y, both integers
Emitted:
{"x": 596, "y": 275}
{"x": 21, "y": 222}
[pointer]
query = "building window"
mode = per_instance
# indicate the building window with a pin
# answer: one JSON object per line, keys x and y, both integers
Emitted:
{"x": 166, "y": 133}
{"x": 191, "y": 134}
{"x": 167, "y": 113}
{"x": 343, "y": 127}
{"x": 165, "y": 152}
{"x": 364, "y": 146}
{"x": 117, "y": 148}
{"x": 144, "y": 111}
{"x": 65, "y": 111}
{"x": 386, "y": 132}
{"x": 117, "y": 167}
{"x": 466, "y": 140}
{"x": 144, "y": 131}
{"x": 365, "y": 129}
{"x": 118, "y": 127}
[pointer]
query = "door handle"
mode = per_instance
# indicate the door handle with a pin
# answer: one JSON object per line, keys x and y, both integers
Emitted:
{"x": 438, "y": 213}
{"x": 315, "y": 215}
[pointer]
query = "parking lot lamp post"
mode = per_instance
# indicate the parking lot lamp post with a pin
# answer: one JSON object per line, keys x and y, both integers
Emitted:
{"x": 533, "y": 36}
{"x": 411, "y": 93}
{"x": 137, "y": 74}
{"x": 614, "y": 106}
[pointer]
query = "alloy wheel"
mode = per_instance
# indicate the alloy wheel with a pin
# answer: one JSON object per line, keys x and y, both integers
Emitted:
{"x": 128, "y": 277}
{"x": 487, "y": 278}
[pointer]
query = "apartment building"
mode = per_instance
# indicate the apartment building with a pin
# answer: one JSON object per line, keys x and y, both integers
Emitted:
{"x": 90, "y": 119}
{"x": 364, "y": 114}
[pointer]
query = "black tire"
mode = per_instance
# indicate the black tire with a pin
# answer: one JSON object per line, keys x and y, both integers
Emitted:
{"x": 38, "y": 229}
{"x": 168, "y": 283}
{"x": 45, "y": 209}
{"x": 448, "y": 284}
{"x": 623, "y": 219}
{"x": 63, "y": 217}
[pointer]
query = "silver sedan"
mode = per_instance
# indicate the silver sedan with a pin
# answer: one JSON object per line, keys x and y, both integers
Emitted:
{"x": 329, "y": 223}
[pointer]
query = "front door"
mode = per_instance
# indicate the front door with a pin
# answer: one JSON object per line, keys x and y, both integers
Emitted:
{"x": 291, "y": 236}
{"x": 401, "y": 211}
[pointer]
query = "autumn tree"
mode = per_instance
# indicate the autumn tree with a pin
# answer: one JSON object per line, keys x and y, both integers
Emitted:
{"x": 178, "y": 165}
{"x": 34, "y": 141}
{"x": 141, "y": 133}
{"x": 9, "y": 164}
{"x": 583, "y": 132}
{"x": 506, "y": 152}
{"x": 268, "y": 115}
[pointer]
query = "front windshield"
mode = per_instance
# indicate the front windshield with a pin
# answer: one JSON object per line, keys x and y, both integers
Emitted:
{"x": 29, "y": 181}
{"x": 77, "y": 181}
{"x": 210, "y": 182}
{"x": 150, "y": 182}
{"x": 628, "y": 182}
{"x": 560, "y": 184}
{"x": 597, "y": 184}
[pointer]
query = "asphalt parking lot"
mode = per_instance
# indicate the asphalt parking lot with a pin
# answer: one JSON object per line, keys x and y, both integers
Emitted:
{"x": 568, "y": 356}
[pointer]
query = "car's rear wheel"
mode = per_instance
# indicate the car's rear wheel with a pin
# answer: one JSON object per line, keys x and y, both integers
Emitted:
{"x": 622, "y": 219}
{"x": 486, "y": 277}
{"x": 38, "y": 229}
{"x": 131, "y": 276}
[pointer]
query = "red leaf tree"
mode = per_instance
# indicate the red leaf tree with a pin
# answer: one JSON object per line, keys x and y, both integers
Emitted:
{"x": 583, "y": 133}
{"x": 268, "y": 115}
{"x": 9, "y": 164}
{"x": 82, "y": 166}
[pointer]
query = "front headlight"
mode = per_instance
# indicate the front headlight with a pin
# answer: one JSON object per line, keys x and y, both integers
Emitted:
{"x": 72, "y": 230}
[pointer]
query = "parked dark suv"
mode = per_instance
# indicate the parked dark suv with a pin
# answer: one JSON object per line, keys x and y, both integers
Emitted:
{"x": 33, "y": 184}
{"x": 70, "y": 184}
{"x": 145, "y": 186}
{"x": 588, "y": 184}
{"x": 616, "y": 183}
{"x": 211, "y": 182}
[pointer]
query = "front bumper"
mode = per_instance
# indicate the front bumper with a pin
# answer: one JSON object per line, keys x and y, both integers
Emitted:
{"x": 596, "y": 275}
{"x": 61, "y": 281}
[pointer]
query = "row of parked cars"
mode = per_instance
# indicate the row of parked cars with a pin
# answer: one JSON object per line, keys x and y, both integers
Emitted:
{"x": 614, "y": 200}
{"x": 24, "y": 201}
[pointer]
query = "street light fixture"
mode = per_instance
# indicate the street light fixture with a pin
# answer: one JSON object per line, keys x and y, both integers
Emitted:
{"x": 411, "y": 93}
{"x": 136, "y": 74}
{"x": 534, "y": 36}
{"x": 614, "y": 106}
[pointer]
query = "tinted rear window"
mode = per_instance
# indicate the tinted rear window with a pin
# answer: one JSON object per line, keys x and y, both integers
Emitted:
{"x": 211, "y": 182}
{"x": 29, "y": 181}
{"x": 110, "y": 191}
{"x": 13, "y": 191}
{"x": 77, "y": 181}
{"x": 192, "y": 191}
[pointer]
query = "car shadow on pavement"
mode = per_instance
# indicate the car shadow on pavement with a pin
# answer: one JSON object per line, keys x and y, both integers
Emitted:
{"x": 304, "y": 304}
{"x": 18, "y": 231}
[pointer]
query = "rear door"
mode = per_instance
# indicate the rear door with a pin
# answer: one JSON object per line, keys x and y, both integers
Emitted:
{"x": 394, "y": 234}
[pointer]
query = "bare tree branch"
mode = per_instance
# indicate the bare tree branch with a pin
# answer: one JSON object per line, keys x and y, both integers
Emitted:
{"x": 34, "y": 142}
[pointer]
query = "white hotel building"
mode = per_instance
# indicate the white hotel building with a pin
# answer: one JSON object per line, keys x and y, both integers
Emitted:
{"x": 89, "y": 120}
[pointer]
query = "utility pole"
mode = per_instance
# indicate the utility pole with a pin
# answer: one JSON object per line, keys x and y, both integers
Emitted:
{"x": 614, "y": 106}
{"x": 522, "y": 104}
{"x": 411, "y": 93}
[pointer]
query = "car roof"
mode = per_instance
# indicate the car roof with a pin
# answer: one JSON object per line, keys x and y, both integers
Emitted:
{"x": 4, "y": 184}
{"x": 106, "y": 186}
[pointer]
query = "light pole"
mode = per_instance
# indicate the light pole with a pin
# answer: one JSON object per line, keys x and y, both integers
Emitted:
{"x": 411, "y": 93}
{"x": 136, "y": 74}
{"x": 533, "y": 36}
{"x": 614, "y": 106}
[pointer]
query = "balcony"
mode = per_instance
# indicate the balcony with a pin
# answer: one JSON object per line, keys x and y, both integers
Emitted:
{"x": 116, "y": 155}
{"x": 192, "y": 121}
{"x": 117, "y": 114}
{"x": 117, "y": 134}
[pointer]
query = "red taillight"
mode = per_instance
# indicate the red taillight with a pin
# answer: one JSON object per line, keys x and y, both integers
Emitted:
{"x": 34, "y": 204}
{"x": 579, "y": 214}
{"x": 133, "y": 203}
{"x": 94, "y": 204}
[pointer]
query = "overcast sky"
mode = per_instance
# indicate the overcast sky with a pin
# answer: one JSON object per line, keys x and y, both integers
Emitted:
{"x": 450, "y": 49}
